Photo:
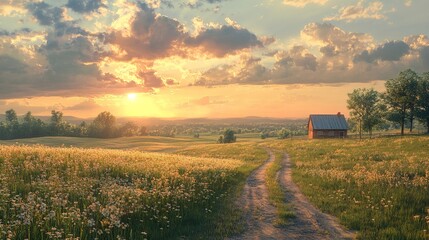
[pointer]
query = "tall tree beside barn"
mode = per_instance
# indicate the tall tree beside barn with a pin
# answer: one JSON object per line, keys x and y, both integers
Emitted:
{"x": 365, "y": 108}
{"x": 401, "y": 97}
{"x": 422, "y": 106}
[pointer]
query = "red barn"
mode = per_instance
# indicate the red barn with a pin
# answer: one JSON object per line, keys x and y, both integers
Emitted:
{"x": 327, "y": 126}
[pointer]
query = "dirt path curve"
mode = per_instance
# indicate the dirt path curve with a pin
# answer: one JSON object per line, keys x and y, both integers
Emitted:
{"x": 309, "y": 223}
{"x": 259, "y": 213}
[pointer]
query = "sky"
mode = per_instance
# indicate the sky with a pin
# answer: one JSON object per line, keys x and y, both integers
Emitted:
{"x": 204, "y": 58}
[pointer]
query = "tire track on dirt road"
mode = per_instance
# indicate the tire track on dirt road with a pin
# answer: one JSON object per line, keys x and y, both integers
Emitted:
{"x": 260, "y": 214}
{"x": 309, "y": 222}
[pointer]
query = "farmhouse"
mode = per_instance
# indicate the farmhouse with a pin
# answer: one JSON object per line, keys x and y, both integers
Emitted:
{"x": 327, "y": 126}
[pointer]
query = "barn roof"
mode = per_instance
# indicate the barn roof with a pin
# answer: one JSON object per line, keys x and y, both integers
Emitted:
{"x": 328, "y": 121}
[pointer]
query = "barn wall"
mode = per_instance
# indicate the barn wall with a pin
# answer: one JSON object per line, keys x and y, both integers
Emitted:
{"x": 328, "y": 134}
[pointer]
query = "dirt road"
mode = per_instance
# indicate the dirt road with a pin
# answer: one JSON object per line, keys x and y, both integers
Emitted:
{"x": 309, "y": 222}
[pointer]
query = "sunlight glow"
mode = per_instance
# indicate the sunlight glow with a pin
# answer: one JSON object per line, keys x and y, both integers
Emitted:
{"x": 132, "y": 96}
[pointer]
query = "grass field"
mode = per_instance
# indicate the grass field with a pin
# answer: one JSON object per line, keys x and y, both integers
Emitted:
{"x": 143, "y": 143}
{"x": 378, "y": 187}
{"x": 57, "y": 193}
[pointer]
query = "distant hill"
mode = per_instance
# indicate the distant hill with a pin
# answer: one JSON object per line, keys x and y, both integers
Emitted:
{"x": 147, "y": 121}
{"x": 207, "y": 121}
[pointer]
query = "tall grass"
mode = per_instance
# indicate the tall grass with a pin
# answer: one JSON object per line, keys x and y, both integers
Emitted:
{"x": 58, "y": 193}
{"x": 227, "y": 219}
{"x": 378, "y": 187}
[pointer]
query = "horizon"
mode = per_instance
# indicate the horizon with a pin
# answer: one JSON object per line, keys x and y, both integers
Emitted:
{"x": 201, "y": 58}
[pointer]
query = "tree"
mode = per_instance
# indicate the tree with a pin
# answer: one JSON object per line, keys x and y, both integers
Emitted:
{"x": 401, "y": 96}
{"x": 422, "y": 106}
{"x": 104, "y": 126}
{"x": 129, "y": 129}
{"x": 228, "y": 137}
{"x": 12, "y": 124}
{"x": 57, "y": 124}
{"x": 11, "y": 116}
{"x": 27, "y": 125}
{"x": 365, "y": 109}
{"x": 143, "y": 131}
{"x": 283, "y": 133}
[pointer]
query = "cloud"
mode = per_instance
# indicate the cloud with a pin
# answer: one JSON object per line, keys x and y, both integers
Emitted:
{"x": 343, "y": 57}
{"x": 408, "y": 3}
{"x": 198, "y": 3}
{"x": 207, "y": 100}
{"x": 390, "y": 51}
{"x": 297, "y": 56}
{"x": 150, "y": 80}
{"x": 67, "y": 66}
{"x": 154, "y": 36}
{"x": 14, "y": 33}
{"x": 45, "y": 14}
{"x": 424, "y": 56}
{"x": 87, "y": 105}
{"x": 247, "y": 70}
{"x": 12, "y": 7}
{"x": 11, "y": 65}
{"x": 224, "y": 40}
{"x": 67, "y": 60}
{"x": 85, "y": 6}
{"x": 340, "y": 41}
{"x": 151, "y": 36}
{"x": 303, "y": 3}
{"x": 359, "y": 11}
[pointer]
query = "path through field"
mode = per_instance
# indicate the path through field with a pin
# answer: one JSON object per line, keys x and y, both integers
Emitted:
{"x": 309, "y": 222}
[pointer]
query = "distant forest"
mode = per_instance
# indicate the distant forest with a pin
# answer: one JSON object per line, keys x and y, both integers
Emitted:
{"x": 105, "y": 125}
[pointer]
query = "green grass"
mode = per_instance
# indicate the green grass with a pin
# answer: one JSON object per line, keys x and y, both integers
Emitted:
{"x": 82, "y": 178}
{"x": 144, "y": 143}
{"x": 228, "y": 219}
{"x": 140, "y": 143}
{"x": 276, "y": 192}
{"x": 378, "y": 187}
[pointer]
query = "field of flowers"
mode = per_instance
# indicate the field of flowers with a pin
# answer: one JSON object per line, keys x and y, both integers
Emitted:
{"x": 73, "y": 193}
{"x": 379, "y": 187}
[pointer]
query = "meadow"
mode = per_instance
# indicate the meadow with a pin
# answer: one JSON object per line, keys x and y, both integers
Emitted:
{"x": 74, "y": 193}
{"x": 378, "y": 187}
{"x": 187, "y": 187}
{"x": 139, "y": 143}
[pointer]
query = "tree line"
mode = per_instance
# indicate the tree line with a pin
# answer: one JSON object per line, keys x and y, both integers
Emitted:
{"x": 406, "y": 99}
{"x": 103, "y": 126}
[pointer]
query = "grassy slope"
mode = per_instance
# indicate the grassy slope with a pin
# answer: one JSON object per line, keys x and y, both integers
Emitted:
{"x": 378, "y": 187}
{"x": 108, "y": 193}
{"x": 223, "y": 220}
{"x": 144, "y": 143}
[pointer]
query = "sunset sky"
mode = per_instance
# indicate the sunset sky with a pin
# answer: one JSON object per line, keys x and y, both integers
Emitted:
{"x": 204, "y": 58}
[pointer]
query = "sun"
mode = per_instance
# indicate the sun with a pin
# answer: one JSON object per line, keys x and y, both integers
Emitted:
{"x": 132, "y": 96}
